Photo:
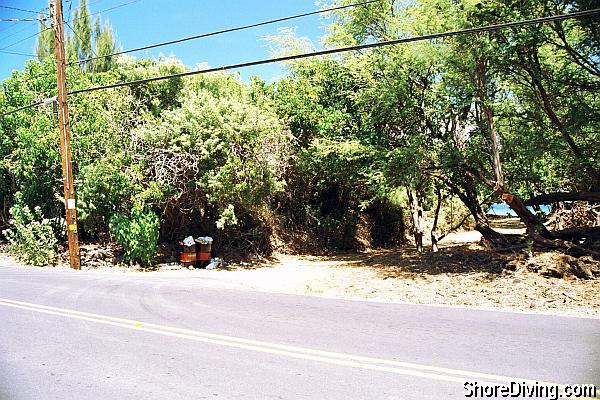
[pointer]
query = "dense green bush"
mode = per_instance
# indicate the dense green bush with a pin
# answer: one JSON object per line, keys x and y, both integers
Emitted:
{"x": 32, "y": 238}
{"x": 102, "y": 191}
{"x": 137, "y": 233}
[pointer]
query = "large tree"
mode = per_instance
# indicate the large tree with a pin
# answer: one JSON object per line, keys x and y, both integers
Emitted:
{"x": 85, "y": 39}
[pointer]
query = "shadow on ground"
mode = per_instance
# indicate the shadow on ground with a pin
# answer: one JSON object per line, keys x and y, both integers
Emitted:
{"x": 506, "y": 223}
{"x": 406, "y": 261}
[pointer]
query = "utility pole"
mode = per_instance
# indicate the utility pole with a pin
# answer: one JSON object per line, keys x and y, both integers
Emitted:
{"x": 65, "y": 141}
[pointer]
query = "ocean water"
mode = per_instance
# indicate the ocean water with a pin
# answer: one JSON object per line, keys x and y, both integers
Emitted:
{"x": 504, "y": 209}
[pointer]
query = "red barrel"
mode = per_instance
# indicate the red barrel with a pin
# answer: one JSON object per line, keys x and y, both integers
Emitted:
{"x": 188, "y": 256}
{"x": 203, "y": 251}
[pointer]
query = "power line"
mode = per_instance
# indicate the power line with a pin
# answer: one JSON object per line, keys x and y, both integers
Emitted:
{"x": 17, "y": 53}
{"x": 487, "y": 28}
{"x": 228, "y": 30}
{"x": 99, "y": 12}
{"x": 77, "y": 37}
{"x": 69, "y": 12}
{"x": 19, "y": 19}
{"x": 37, "y": 103}
{"x": 23, "y": 28}
{"x": 24, "y": 39}
{"x": 94, "y": 2}
{"x": 7, "y": 27}
{"x": 96, "y": 14}
{"x": 19, "y": 9}
{"x": 117, "y": 6}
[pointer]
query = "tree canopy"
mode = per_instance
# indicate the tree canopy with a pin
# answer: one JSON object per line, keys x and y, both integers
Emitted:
{"x": 334, "y": 152}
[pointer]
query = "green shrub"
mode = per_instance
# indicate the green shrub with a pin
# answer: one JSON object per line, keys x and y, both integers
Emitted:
{"x": 104, "y": 190}
{"x": 137, "y": 233}
{"x": 32, "y": 238}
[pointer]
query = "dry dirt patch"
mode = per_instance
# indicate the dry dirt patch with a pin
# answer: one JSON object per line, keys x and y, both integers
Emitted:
{"x": 462, "y": 273}
{"x": 456, "y": 276}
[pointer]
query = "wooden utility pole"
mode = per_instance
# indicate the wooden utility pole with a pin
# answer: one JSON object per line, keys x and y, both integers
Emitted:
{"x": 65, "y": 141}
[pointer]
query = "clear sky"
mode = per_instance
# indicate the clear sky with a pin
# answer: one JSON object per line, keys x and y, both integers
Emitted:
{"x": 144, "y": 22}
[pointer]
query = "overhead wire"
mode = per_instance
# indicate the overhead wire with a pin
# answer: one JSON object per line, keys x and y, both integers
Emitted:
{"x": 69, "y": 12}
{"x": 37, "y": 103}
{"x": 18, "y": 53}
{"x": 94, "y": 2}
{"x": 117, "y": 6}
{"x": 18, "y": 9}
{"x": 345, "y": 49}
{"x": 98, "y": 13}
{"x": 23, "y": 28}
{"x": 228, "y": 30}
{"x": 92, "y": 16}
{"x": 19, "y": 19}
{"x": 488, "y": 28}
{"x": 39, "y": 19}
{"x": 24, "y": 39}
{"x": 7, "y": 27}
{"x": 78, "y": 38}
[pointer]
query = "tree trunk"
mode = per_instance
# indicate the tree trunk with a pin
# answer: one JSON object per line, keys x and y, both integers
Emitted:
{"x": 466, "y": 191}
{"x": 415, "y": 198}
{"x": 532, "y": 222}
{"x": 434, "y": 241}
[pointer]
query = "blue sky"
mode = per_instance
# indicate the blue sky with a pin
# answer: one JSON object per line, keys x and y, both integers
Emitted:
{"x": 144, "y": 22}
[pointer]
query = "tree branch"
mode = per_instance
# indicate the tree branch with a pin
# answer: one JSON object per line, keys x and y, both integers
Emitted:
{"x": 547, "y": 198}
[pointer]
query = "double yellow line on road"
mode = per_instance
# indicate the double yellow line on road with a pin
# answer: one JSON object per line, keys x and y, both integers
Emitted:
{"x": 341, "y": 359}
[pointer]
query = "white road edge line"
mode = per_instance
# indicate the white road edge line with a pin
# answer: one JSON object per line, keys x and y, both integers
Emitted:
{"x": 369, "y": 363}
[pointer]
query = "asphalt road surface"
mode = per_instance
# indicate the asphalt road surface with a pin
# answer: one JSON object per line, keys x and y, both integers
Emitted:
{"x": 93, "y": 335}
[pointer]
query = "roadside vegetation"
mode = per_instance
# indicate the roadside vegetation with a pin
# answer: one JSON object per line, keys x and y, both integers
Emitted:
{"x": 367, "y": 149}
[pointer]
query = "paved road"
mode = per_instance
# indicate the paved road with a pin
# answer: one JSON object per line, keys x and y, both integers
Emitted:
{"x": 92, "y": 335}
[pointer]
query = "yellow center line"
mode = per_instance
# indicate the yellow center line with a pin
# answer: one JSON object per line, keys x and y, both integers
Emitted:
{"x": 342, "y": 359}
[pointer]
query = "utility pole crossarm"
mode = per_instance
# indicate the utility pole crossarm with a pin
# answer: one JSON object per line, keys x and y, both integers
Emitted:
{"x": 65, "y": 140}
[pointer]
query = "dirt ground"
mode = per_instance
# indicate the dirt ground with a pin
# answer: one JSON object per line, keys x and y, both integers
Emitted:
{"x": 462, "y": 273}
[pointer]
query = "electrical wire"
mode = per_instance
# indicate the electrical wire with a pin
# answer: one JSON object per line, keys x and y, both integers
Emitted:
{"x": 97, "y": 14}
{"x": 19, "y": 19}
{"x": 94, "y": 2}
{"x": 24, "y": 39}
{"x": 228, "y": 30}
{"x": 92, "y": 17}
{"x": 76, "y": 36}
{"x": 17, "y": 53}
{"x": 23, "y": 28}
{"x": 8, "y": 27}
{"x": 69, "y": 12}
{"x": 19, "y": 9}
{"x": 487, "y": 28}
{"x": 117, "y": 6}
{"x": 37, "y": 103}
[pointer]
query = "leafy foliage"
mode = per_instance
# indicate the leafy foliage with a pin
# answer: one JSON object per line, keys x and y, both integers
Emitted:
{"x": 101, "y": 193}
{"x": 84, "y": 38}
{"x": 31, "y": 237}
{"x": 324, "y": 151}
{"x": 137, "y": 233}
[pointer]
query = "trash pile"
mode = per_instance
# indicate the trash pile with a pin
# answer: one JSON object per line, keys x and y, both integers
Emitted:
{"x": 197, "y": 253}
